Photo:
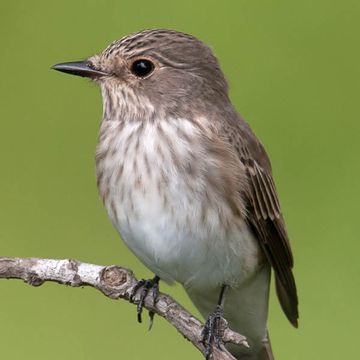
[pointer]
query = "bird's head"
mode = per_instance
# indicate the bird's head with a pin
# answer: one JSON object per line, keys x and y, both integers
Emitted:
{"x": 154, "y": 71}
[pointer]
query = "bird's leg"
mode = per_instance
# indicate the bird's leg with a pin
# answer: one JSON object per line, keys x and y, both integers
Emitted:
{"x": 212, "y": 332}
{"x": 145, "y": 286}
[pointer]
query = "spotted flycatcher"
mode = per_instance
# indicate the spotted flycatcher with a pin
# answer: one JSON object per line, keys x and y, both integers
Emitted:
{"x": 188, "y": 185}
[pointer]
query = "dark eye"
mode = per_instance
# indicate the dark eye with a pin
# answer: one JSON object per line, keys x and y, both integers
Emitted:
{"x": 142, "y": 67}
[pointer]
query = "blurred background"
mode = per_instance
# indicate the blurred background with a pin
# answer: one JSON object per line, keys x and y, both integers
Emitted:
{"x": 293, "y": 69}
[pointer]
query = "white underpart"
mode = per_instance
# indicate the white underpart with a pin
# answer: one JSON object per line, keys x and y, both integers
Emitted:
{"x": 169, "y": 236}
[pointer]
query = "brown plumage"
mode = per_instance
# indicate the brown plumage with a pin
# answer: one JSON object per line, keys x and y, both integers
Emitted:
{"x": 264, "y": 213}
{"x": 187, "y": 183}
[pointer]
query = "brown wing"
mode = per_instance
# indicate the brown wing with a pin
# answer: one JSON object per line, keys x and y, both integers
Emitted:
{"x": 264, "y": 216}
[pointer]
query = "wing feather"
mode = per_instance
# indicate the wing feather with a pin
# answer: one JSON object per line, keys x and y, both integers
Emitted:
{"x": 263, "y": 212}
{"x": 268, "y": 224}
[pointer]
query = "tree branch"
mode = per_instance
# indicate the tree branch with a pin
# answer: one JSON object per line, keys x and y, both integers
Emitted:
{"x": 116, "y": 283}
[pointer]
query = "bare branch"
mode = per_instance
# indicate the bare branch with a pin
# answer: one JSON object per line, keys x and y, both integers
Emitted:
{"x": 116, "y": 283}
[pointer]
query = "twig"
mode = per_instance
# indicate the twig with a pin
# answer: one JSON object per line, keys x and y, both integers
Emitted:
{"x": 116, "y": 283}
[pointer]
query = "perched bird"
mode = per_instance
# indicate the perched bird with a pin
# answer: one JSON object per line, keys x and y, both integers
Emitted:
{"x": 188, "y": 185}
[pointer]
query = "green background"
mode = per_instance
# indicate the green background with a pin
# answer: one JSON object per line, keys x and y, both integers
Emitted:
{"x": 293, "y": 68}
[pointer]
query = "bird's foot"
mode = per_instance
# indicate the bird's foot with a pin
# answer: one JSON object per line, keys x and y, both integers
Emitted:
{"x": 213, "y": 331}
{"x": 145, "y": 286}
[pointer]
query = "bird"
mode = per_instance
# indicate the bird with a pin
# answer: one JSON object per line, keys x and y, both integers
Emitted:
{"x": 188, "y": 185}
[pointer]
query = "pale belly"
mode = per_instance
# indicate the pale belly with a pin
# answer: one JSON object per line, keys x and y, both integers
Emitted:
{"x": 177, "y": 246}
{"x": 155, "y": 186}
{"x": 181, "y": 248}
{"x": 175, "y": 243}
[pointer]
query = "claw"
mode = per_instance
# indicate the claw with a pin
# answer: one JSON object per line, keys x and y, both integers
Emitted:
{"x": 214, "y": 326}
{"x": 145, "y": 286}
{"x": 155, "y": 294}
{"x": 135, "y": 289}
{"x": 213, "y": 331}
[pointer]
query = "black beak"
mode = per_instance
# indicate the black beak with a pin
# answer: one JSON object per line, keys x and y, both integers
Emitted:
{"x": 79, "y": 68}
